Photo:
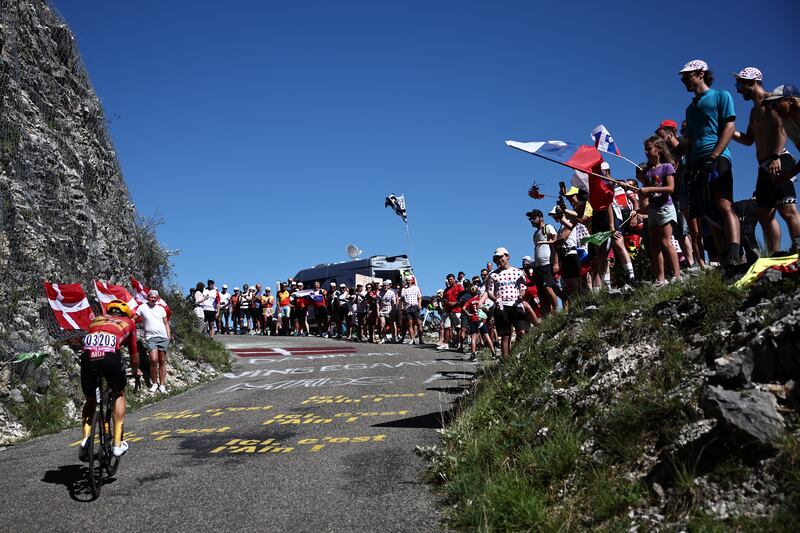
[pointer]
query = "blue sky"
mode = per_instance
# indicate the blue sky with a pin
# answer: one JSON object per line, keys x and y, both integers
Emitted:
{"x": 267, "y": 134}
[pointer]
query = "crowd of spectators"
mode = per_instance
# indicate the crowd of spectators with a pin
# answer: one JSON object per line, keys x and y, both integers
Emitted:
{"x": 680, "y": 209}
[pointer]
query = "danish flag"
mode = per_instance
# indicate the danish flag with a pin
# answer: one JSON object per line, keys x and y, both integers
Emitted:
{"x": 69, "y": 304}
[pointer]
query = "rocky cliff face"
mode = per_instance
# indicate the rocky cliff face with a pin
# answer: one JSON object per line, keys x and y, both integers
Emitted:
{"x": 65, "y": 211}
{"x": 65, "y": 216}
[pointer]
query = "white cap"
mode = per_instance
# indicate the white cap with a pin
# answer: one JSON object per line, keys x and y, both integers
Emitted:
{"x": 236, "y": 288}
{"x": 605, "y": 166}
{"x": 749, "y": 73}
{"x": 387, "y": 282}
{"x": 224, "y": 286}
{"x": 551, "y": 212}
{"x": 500, "y": 251}
{"x": 526, "y": 259}
{"x": 694, "y": 64}
{"x": 152, "y": 292}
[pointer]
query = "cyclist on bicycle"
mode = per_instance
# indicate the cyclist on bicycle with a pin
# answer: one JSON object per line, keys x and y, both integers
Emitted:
{"x": 102, "y": 355}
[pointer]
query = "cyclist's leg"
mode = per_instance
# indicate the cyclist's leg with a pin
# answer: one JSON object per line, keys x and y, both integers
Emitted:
{"x": 119, "y": 416}
{"x": 88, "y": 386}
{"x": 114, "y": 371}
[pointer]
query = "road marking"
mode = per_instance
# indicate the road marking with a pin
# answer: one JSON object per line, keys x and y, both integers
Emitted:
{"x": 325, "y": 400}
{"x": 257, "y": 360}
{"x": 304, "y": 419}
{"x": 270, "y": 351}
{"x": 313, "y": 383}
{"x": 216, "y": 411}
{"x": 247, "y": 446}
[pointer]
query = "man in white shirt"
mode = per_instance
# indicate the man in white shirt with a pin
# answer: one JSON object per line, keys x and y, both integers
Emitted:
{"x": 209, "y": 304}
{"x": 223, "y": 316}
{"x": 156, "y": 336}
{"x": 411, "y": 298}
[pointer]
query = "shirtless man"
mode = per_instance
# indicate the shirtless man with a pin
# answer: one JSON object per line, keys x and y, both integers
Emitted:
{"x": 773, "y": 193}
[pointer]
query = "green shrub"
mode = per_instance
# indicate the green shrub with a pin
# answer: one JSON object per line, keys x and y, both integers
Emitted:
{"x": 43, "y": 414}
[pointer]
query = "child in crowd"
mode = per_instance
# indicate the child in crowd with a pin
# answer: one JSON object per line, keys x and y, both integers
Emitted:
{"x": 476, "y": 320}
{"x": 659, "y": 184}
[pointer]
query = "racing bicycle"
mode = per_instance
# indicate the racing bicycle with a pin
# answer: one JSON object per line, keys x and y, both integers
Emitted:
{"x": 102, "y": 462}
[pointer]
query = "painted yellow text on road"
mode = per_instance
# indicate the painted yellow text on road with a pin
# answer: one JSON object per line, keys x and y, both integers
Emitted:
{"x": 295, "y": 419}
{"x": 217, "y": 411}
{"x": 322, "y": 400}
{"x": 237, "y": 446}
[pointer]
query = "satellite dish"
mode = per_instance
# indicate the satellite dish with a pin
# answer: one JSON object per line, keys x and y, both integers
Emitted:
{"x": 353, "y": 251}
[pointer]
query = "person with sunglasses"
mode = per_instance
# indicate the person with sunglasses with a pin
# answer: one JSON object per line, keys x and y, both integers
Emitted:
{"x": 765, "y": 129}
{"x": 710, "y": 124}
{"x": 506, "y": 288}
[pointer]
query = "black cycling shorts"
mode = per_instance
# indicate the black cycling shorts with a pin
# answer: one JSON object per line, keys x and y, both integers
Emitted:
{"x": 112, "y": 367}
{"x": 770, "y": 194}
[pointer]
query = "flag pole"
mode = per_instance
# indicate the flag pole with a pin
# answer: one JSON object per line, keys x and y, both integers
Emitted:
{"x": 607, "y": 178}
{"x": 408, "y": 231}
{"x": 623, "y": 158}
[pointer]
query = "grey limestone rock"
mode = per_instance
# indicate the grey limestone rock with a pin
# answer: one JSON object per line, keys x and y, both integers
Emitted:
{"x": 750, "y": 417}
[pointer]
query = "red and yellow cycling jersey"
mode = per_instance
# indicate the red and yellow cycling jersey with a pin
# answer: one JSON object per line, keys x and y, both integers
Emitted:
{"x": 108, "y": 334}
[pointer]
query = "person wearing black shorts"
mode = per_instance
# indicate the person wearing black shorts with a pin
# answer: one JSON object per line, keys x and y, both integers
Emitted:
{"x": 710, "y": 126}
{"x": 102, "y": 356}
{"x": 775, "y": 194}
{"x": 507, "y": 319}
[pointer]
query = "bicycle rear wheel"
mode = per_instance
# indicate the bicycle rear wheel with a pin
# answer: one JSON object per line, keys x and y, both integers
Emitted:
{"x": 112, "y": 462}
{"x": 96, "y": 452}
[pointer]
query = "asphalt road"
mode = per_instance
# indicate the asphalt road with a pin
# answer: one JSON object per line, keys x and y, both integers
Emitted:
{"x": 303, "y": 435}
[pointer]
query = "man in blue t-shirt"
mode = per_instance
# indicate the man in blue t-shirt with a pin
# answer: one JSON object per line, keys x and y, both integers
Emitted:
{"x": 710, "y": 126}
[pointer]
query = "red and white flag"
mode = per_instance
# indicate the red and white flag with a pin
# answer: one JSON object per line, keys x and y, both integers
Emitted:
{"x": 106, "y": 292}
{"x": 69, "y": 305}
{"x": 140, "y": 295}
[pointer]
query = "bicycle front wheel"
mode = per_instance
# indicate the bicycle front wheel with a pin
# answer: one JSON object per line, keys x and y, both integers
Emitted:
{"x": 96, "y": 452}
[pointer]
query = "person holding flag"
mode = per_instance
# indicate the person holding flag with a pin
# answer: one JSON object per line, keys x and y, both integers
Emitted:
{"x": 604, "y": 218}
{"x": 659, "y": 184}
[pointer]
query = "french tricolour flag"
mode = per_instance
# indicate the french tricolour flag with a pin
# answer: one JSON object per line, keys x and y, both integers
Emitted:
{"x": 106, "y": 292}
{"x": 603, "y": 140}
{"x": 577, "y": 156}
{"x": 140, "y": 295}
{"x": 69, "y": 304}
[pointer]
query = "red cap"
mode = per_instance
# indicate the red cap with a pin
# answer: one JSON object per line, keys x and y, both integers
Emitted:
{"x": 668, "y": 124}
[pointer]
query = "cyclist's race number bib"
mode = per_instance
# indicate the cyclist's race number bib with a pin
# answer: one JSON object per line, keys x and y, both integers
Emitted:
{"x": 99, "y": 344}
